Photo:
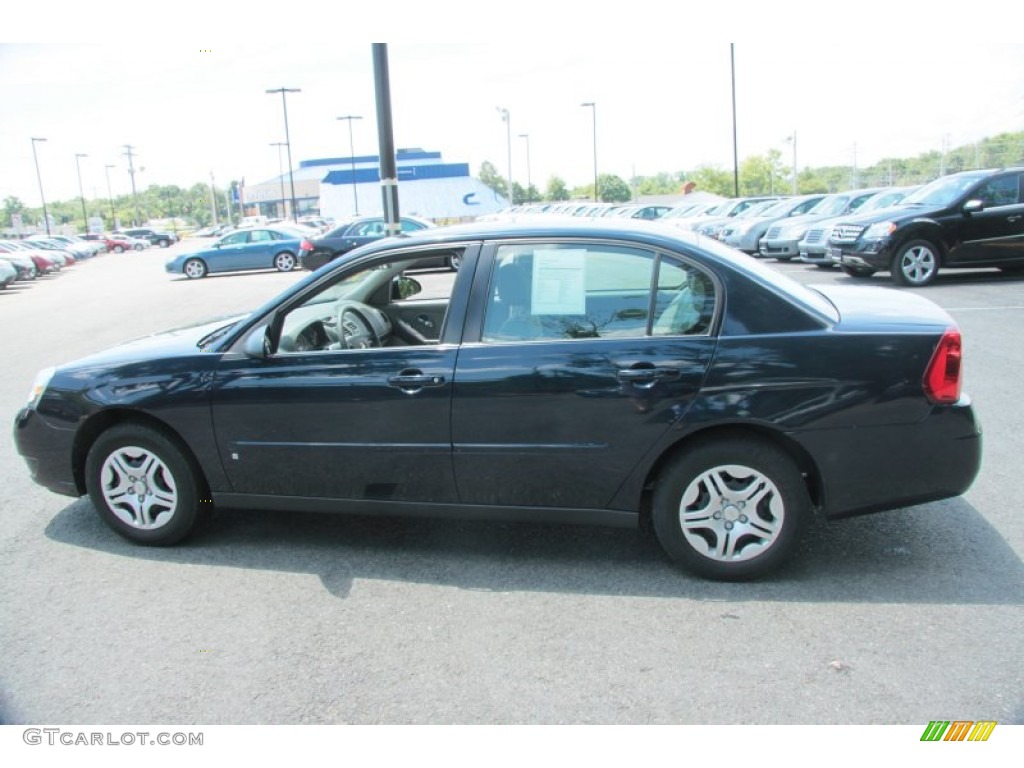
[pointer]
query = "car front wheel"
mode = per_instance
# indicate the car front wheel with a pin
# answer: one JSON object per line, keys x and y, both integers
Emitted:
{"x": 284, "y": 262}
{"x": 915, "y": 264}
{"x": 143, "y": 485}
{"x": 195, "y": 269}
{"x": 730, "y": 508}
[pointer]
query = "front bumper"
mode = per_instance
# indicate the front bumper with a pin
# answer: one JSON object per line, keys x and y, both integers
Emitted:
{"x": 872, "y": 254}
{"x": 774, "y": 249}
{"x": 47, "y": 451}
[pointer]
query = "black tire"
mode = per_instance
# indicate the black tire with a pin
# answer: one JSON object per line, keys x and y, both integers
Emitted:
{"x": 728, "y": 540}
{"x": 160, "y": 505}
{"x": 138, "y": 247}
{"x": 194, "y": 269}
{"x": 285, "y": 261}
{"x": 858, "y": 272}
{"x": 784, "y": 258}
{"x": 118, "y": 249}
{"x": 915, "y": 264}
{"x": 824, "y": 265}
{"x": 164, "y": 243}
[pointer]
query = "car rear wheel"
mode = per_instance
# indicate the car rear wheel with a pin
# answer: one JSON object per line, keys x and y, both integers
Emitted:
{"x": 165, "y": 243}
{"x": 915, "y": 264}
{"x": 730, "y": 508}
{"x": 858, "y": 272}
{"x": 144, "y": 486}
{"x": 284, "y": 262}
{"x": 195, "y": 269}
{"x": 118, "y": 249}
{"x": 138, "y": 247}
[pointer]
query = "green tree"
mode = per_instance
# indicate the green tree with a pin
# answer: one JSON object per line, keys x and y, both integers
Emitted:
{"x": 713, "y": 180}
{"x": 12, "y": 206}
{"x": 612, "y": 189}
{"x": 556, "y": 190}
{"x": 490, "y": 178}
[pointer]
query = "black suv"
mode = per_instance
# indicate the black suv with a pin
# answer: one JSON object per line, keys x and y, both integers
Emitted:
{"x": 163, "y": 239}
{"x": 970, "y": 219}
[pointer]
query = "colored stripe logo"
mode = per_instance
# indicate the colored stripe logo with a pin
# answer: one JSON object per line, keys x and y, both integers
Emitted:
{"x": 958, "y": 730}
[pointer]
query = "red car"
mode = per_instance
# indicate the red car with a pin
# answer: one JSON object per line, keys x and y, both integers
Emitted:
{"x": 120, "y": 243}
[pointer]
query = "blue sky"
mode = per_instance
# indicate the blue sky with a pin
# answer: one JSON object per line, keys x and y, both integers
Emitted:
{"x": 195, "y": 107}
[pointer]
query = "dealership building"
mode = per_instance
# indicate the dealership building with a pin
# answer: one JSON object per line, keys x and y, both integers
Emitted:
{"x": 344, "y": 186}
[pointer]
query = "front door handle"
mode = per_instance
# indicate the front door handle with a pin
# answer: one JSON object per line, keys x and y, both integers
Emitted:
{"x": 412, "y": 381}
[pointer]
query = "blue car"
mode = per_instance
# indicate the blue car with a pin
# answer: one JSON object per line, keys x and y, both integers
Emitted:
{"x": 245, "y": 249}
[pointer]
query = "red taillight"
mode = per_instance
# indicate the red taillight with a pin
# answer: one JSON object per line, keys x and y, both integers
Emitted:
{"x": 942, "y": 378}
{"x": 306, "y": 245}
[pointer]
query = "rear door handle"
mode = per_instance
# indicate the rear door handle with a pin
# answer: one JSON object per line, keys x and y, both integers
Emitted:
{"x": 646, "y": 377}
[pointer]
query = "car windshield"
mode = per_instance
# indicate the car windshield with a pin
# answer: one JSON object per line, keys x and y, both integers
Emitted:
{"x": 882, "y": 200}
{"x": 779, "y": 208}
{"x": 831, "y": 206}
{"x": 945, "y": 190}
{"x": 756, "y": 209}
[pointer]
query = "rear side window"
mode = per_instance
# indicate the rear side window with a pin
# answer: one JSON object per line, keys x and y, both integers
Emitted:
{"x": 585, "y": 291}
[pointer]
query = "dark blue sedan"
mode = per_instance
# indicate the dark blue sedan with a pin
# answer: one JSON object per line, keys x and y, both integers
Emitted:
{"x": 609, "y": 373}
{"x": 242, "y": 250}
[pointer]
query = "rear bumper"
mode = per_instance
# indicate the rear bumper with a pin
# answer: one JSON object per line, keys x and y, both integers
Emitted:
{"x": 897, "y": 466}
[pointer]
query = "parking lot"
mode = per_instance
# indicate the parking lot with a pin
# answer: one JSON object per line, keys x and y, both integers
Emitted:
{"x": 897, "y": 618}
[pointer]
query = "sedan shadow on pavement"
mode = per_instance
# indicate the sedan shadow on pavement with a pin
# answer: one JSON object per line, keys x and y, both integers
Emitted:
{"x": 939, "y": 553}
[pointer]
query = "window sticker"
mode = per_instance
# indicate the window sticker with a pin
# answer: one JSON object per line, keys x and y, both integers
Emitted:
{"x": 559, "y": 282}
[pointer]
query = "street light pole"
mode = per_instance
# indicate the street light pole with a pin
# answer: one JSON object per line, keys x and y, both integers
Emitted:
{"x": 593, "y": 107}
{"x": 81, "y": 194}
{"x": 110, "y": 197}
{"x": 352, "y": 157}
{"x": 280, "y": 173}
{"x": 288, "y": 141}
{"x": 793, "y": 139}
{"x": 529, "y": 177}
{"x": 46, "y": 215}
{"x": 507, "y": 119}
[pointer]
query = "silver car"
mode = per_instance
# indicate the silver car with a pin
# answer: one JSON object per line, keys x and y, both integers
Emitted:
{"x": 814, "y": 247}
{"x": 747, "y": 233}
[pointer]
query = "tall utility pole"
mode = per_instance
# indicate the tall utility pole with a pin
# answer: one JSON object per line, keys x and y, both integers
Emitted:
{"x": 280, "y": 175}
{"x": 46, "y": 214}
{"x": 593, "y": 107}
{"x": 81, "y": 194}
{"x": 131, "y": 173}
{"x": 213, "y": 199}
{"x": 529, "y": 182}
{"x": 507, "y": 119}
{"x": 386, "y": 139}
{"x": 110, "y": 197}
{"x": 288, "y": 141}
{"x": 352, "y": 157}
{"x": 735, "y": 151}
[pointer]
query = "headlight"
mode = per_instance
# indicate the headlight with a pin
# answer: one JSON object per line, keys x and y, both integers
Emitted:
{"x": 39, "y": 385}
{"x": 879, "y": 230}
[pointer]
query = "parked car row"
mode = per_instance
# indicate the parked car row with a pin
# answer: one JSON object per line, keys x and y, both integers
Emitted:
{"x": 965, "y": 220}
{"x": 579, "y": 209}
{"x": 26, "y": 260}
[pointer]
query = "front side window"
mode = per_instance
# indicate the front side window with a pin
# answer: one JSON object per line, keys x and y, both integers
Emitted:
{"x": 587, "y": 291}
{"x": 1004, "y": 190}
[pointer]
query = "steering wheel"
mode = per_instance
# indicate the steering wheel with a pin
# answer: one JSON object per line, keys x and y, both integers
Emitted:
{"x": 355, "y": 331}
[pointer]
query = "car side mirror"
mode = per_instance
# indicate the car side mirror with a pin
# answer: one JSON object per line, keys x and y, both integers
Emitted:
{"x": 257, "y": 344}
{"x": 403, "y": 287}
{"x": 973, "y": 206}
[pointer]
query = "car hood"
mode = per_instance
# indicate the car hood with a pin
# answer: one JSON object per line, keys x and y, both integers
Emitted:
{"x": 180, "y": 342}
{"x": 866, "y": 308}
{"x": 899, "y": 212}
